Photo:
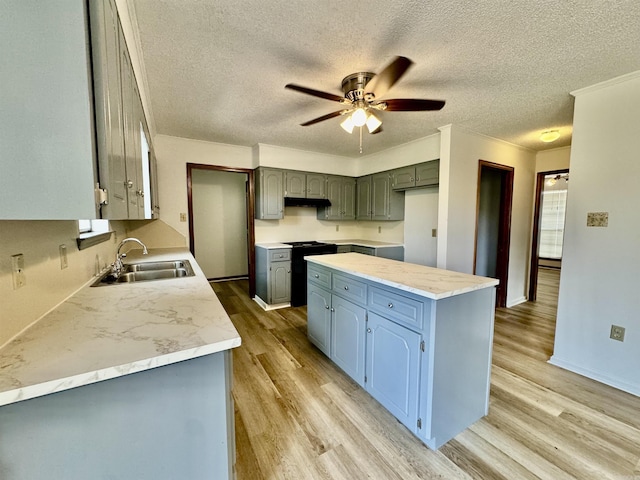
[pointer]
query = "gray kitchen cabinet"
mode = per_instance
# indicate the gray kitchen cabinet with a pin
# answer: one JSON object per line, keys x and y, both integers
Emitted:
{"x": 344, "y": 248}
{"x": 348, "y": 326}
{"x": 51, "y": 168}
{"x": 393, "y": 253}
{"x": 363, "y": 250}
{"x": 273, "y": 275}
{"x": 377, "y": 200}
{"x": 319, "y": 318}
{"x": 421, "y": 175}
{"x": 269, "y": 194}
{"x": 304, "y": 185}
{"x": 341, "y": 192}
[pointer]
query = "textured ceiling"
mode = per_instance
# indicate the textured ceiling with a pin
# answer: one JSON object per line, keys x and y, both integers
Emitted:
{"x": 216, "y": 69}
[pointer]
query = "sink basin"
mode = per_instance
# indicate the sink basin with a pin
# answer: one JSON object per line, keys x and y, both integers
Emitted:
{"x": 148, "y": 271}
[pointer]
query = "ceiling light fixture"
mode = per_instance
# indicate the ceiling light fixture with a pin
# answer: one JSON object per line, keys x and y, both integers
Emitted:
{"x": 550, "y": 136}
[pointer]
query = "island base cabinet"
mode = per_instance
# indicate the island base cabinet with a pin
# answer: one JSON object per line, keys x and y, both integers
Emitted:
{"x": 170, "y": 422}
{"x": 319, "y": 318}
{"x": 393, "y": 368}
{"x": 348, "y": 337}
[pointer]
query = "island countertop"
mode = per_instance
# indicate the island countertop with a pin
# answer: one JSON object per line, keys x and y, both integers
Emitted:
{"x": 105, "y": 332}
{"x": 429, "y": 282}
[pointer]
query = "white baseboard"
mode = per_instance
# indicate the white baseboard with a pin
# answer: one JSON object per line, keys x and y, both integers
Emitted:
{"x": 597, "y": 376}
{"x": 265, "y": 306}
{"x": 517, "y": 301}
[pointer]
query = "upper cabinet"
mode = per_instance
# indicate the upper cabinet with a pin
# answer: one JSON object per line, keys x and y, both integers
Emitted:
{"x": 304, "y": 185}
{"x": 421, "y": 175}
{"x": 377, "y": 200}
{"x": 65, "y": 100}
{"x": 269, "y": 194}
{"x": 341, "y": 192}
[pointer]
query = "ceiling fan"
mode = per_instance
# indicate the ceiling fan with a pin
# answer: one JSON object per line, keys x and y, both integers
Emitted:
{"x": 362, "y": 92}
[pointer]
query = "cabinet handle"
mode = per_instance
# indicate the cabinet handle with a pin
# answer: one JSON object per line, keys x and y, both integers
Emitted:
{"x": 346, "y": 287}
{"x": 333, "y": 310}
{"x": 129, "y": 183}
{"x": 411, "y": 179}
{"x": 390, "y": 305}
{"x": 327, "y": 307}
{"x": 368, "y": 330}
{"x": 317, "y": 276}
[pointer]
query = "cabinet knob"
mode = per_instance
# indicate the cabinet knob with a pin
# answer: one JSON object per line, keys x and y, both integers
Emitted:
{"x": 368, "y": 330}
{"x": 346, "y": 287}
{"x": 327, "y": 307}
{"x": 333, "y": 310}
{"x": 390, "y": 305}
{"x": 129, "y": 183}
{"x": 317, "y": 276}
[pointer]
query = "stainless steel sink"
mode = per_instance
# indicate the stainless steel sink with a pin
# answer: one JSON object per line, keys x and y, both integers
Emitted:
{"x": 148, "y": 271}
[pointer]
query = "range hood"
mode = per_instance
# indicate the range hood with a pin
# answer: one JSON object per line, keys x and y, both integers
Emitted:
{"x": 306, "y": 202}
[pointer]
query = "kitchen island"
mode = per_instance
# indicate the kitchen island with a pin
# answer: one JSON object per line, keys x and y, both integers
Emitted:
{"x": 122, "y": 381}
{"x": 418, "y": 339}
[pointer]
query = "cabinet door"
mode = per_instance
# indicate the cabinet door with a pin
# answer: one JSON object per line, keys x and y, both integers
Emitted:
{"x": 106, "y": 47}
{"x": 393, "y": 368}
{"x": 316, "y": 186}
{"x": 348, "y": 337}
{"x": 131, "y": 143}
{"x": 280, "y": 282}
{"x": 428, "y": 174}
{"x": 380, "y": 190}
{"x": 334, "y": 194}
{"x": 269, "y": 194}
{"x": 363, "y": 187}
{"x": 295, "y": 184}
{"x": 319, "y": 318}
{"x": 403, "y": 178}
{"x": 348, "y": 199}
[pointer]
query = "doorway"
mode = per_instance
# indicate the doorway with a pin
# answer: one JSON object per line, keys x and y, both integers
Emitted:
{"x": 548, "y": 224}
{"x": 493, "y": 225}
{"x": 221, "y": 221}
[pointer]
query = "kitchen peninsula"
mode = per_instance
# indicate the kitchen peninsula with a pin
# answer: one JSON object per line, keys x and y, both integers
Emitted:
{"x": 122, "y": 381}
{"x": 418, "y": 339}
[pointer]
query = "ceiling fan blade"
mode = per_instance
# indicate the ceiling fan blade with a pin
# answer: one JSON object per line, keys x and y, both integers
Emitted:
{"x": 412, "y": 105}
{"x": 323, "y": 118}
{"x": 315, "y": 93}
{"x": 383, "y": 81}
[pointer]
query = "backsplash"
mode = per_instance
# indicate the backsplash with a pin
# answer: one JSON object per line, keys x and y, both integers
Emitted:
{"x": 46, "y": 283}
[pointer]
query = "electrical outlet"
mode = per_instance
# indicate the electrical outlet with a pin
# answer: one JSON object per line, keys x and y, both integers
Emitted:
{"x": 17, "y": 268}
{"x": 63, "y": 257}
{"x": 183, "y": 217}
{"x": 617, "y": 333}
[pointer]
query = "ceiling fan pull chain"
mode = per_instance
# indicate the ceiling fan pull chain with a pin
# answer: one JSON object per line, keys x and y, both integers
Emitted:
{"x": 360, "y": 140}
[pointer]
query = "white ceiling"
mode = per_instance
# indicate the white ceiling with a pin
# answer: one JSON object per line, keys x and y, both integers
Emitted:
{"x": 216, "y": 69}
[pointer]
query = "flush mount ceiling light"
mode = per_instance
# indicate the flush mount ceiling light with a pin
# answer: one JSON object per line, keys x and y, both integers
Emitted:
{"x": 549, "y": 136}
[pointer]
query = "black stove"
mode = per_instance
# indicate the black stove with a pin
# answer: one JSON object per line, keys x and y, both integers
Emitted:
{"x": 299, "y": 250}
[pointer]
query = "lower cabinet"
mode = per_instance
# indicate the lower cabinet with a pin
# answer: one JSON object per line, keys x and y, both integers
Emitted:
{"x": 273, "y": 275}
{"x": 393, "y": 361}
{"x": 348, "y": 337}
{"x": 319, "y": 318}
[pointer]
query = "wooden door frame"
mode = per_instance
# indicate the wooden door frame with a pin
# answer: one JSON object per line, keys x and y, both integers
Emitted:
{"x": 250, "y": 204}
{"x": 535, "y": 233}
{"x": 504, "y": 232}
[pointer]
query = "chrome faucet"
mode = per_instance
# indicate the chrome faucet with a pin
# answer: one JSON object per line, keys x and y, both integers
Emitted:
{"x": 116, "y": 266}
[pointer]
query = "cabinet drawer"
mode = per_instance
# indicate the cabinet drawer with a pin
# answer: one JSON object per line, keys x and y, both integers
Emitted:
{"x": 350, "y": 288}
{"x": 398, "y": 308}
{"x": 344, "y": 248}
{"x": 363, "y": 250}
{"x": 280, "y": 255}
{"x": 318, "y": 275}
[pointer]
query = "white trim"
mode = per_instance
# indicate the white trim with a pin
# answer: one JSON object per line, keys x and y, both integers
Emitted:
{"x": 597, "y": 376}
{"x": 517, "y": 301}
{"x": 606, "y": 83}
{"x": 265, "y": 306}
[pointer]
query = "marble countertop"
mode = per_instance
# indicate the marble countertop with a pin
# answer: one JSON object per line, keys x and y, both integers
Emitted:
{"x": 434, "y": 283}
{"x": 363, "y": 243}
{"x": 273, "y": 245}
{"x": 111, "y": 331}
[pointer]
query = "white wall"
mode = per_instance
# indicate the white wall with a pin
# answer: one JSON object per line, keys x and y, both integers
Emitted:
{"x": 421, "y": 217}
{"x": 554, "y": 159}
{"x": 418, "y": 151}
{"x": 220, "y": 222}
{"x": 460, "y": 153}
{"x": 599, "y": 283}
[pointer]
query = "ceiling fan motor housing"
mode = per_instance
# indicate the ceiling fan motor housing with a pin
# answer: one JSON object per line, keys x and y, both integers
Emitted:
{"x": 353, "y": 85}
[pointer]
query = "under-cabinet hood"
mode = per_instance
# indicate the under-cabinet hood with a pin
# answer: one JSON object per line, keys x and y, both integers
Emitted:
{"x": 306, "y": 202}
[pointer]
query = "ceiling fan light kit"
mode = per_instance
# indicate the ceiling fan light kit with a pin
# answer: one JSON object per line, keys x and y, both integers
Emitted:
{"x": 361, "y": 93}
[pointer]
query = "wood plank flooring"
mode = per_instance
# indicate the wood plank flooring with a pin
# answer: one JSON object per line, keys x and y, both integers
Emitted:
{"x": 299, "y": 417}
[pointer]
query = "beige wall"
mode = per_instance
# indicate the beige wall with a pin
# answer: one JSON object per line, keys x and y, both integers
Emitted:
{"x": 555, "y": 159}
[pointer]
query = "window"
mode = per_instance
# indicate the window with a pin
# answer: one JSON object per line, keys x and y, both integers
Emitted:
{"x": 554, "y": 204}
{"x": 92, "y": 232}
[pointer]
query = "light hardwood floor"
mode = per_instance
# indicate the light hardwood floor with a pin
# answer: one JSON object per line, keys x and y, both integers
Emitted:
{"x": 299, "y": 417}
